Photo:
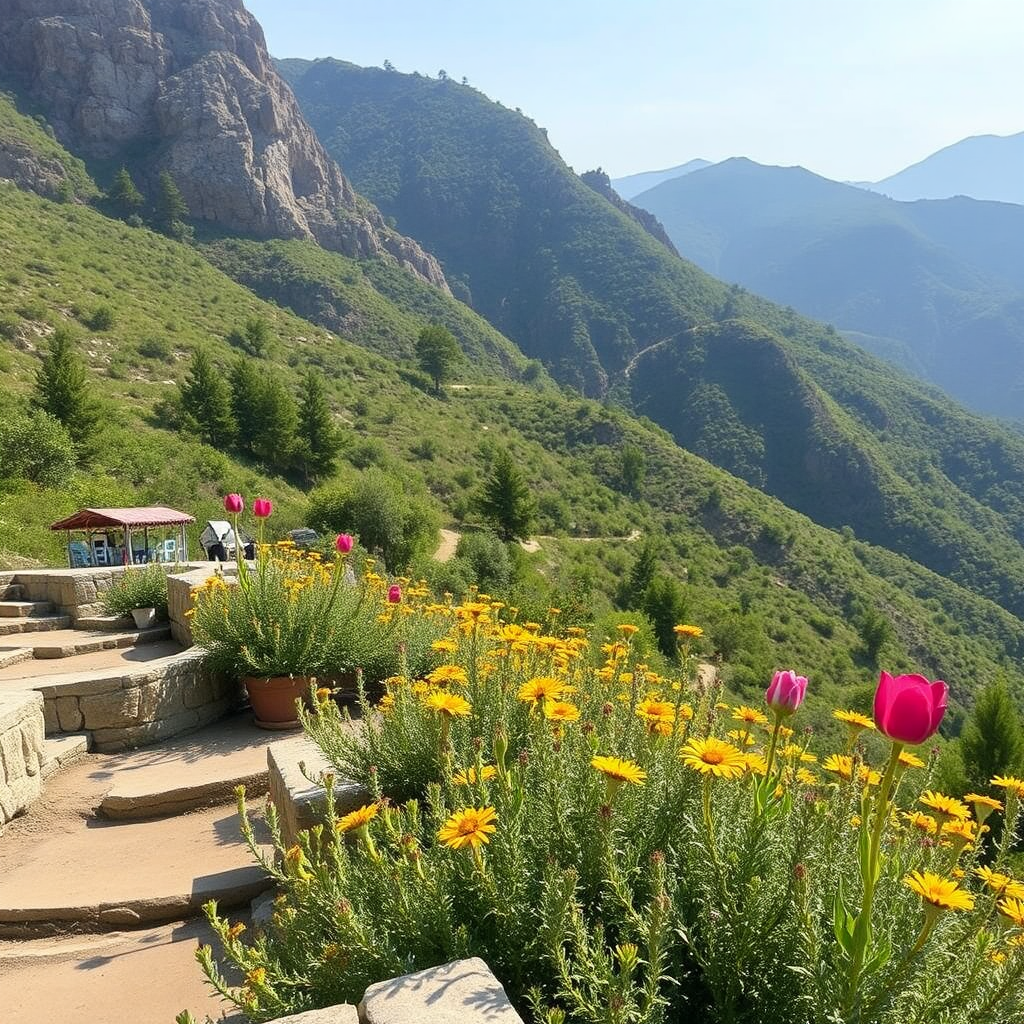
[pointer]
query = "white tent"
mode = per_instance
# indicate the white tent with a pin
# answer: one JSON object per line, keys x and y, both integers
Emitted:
{"x": 219, "y": 531}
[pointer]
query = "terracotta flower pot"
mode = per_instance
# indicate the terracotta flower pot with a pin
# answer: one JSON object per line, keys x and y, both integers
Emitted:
{"x": 273, "y": 700}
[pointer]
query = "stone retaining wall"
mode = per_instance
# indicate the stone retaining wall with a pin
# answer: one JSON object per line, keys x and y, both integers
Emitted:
{"x": 179, "y": 595}
{"x": 21, "y": 751}
{"x": 75, "y": 592}
{"x": 140, "y": 706}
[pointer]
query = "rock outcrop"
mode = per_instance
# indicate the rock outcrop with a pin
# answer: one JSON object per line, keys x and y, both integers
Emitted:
{"x": 188, "y": 86}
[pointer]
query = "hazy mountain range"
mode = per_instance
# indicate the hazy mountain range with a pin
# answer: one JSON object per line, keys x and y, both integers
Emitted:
{"x": 936, "y": 286}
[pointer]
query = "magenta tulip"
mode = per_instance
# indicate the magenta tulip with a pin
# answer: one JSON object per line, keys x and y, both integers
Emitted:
{"x": 344, "y": 543}
{"x": 908, "y": 709}
{"x": 262, "y": 507}
{"x": 787, "y": 692}
{"x": 234, "y": 504}
{"x": 394, "y": 594}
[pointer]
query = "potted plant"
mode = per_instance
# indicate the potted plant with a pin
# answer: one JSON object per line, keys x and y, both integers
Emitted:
{"x": 142, "y": 593}
{"x": 289, "y": 621}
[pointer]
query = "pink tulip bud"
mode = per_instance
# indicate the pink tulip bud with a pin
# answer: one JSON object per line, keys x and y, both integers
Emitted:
{"x": 344, "y": 543}
{"x": 787, "y": 692}
{"x": 394, "y": 594}
{"x": 233, "y": 503}
{"x": 262, "y": 507}
{"x": 908, "y": 709}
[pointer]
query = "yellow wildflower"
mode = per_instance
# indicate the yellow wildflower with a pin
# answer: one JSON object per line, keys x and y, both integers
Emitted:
{"x": 471, "y": 826}
{"x": 713, "y": 757}
{"x": 939, "y": 893}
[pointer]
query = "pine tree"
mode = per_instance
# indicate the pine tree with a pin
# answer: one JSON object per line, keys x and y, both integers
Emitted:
{"x": 171, "y": 209}
{"x": 246, "y": 402}
{"x": 633, "y": 588}
{"x": 278, "y": 422}
{"x": 127, "y": 199}
{"x": 62, "y": 390}
{"x": 318, "y": 436}
{"x": 506, "y": 500}
{"x": 438, "y": 352}
{"x": 992, "y": 741}
{"x": 206, "y": 402}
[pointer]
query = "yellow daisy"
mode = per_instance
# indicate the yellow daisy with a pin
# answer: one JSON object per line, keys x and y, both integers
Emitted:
{"x": 737, "y": 736}
{"x": 1011, "y": 783}
{"x": 541, "y": 688}
{"x": 618, "y": 770}
{"x": 472, "y": 826}
{"x": 560, "y": 711}
{"x": 1013, "y": 911}
{"x": 449, "y": 704}
{"x": 808, "y": 778}
{"x": 842, "y": 765}
{"x": 908, "y": 760}
{"x": 445, "y": 674}
{"x": 355, "y": 820}
{"x": 687, "y": 632}
{"x": 854, "y": 719}
{"x": 627, "y": 629}
{"x": 749, "y": 715}
{"x": 946, "y": 807}
{"x": 922, "y": 822}
{"x": 1002, "y": 885}
{"x": 714, "y": 757}
{"x": 939, "y": 893}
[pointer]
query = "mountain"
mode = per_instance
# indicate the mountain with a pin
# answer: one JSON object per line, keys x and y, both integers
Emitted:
{"x": 187, "y": 86}
{"x": 582, "y": 287}
{"x": 771, "y": 586}
{"x": 982, "y": 167}
{"x": 937, "y": 286}
{"x": 633, "y": 184}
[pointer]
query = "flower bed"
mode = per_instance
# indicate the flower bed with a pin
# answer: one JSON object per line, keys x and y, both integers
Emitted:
{"x": 621, "y": 847}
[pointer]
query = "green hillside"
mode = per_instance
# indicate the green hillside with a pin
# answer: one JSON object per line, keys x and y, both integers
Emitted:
{"x": 569, "y": 277}
{"x": 772, "y": 587}
{"x": 945, "y": 278}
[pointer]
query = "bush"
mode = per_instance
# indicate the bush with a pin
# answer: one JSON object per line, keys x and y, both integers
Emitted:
{"x": 156, "y": 347}
{"x": 36, "y": 447}
{"x": 100, "y": 319}
{"x": 138, "y": 588}
{"x": 590, "y": 832}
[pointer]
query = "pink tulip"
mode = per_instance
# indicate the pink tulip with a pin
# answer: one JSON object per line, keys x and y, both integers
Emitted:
{"x": 234, "y": 504}
{"x": 344, "y": 543}
{"x": 262, "y": 507}
{"x": 787, "y": 692}
{"x": 908, "y": 709}
{"x": 394, "y": 594}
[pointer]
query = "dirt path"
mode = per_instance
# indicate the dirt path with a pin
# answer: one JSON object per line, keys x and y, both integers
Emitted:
{"x": 446, "y": 549}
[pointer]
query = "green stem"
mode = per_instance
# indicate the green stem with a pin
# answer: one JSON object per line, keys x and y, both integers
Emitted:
{"x": 862, "y": 930}
{"x": 773, "y": 744}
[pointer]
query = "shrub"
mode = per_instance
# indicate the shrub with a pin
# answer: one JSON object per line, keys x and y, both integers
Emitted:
{"x": 620, "y": 847}
{"x": 36, "y": 447}
{"x": 100, "y": 319}
{"x": 138, "y": 588}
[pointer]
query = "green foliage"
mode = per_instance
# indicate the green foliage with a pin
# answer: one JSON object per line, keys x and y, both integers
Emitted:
{"x": 100, "y": 319}
{"x": 874, "y": 630}
{"x": 437, "y": 352}
{"x": 278, "y": 417}
{"x": 125, "y": 197}
{"x": 505, "y": 499}
{"x": 486, "y": 563}
{"x": 144, "y": 587}
{"x": 36, "y": 447}
{"x": 246, "y": 395}
{"x": 254, "y": 337}
{"x": 170, "y": 210}
{"x": 206, "y": 402}
{"x": 319, "y": 438}
{"x": 377, "y": 508}
{"x": 632, "y": 469}
{"x": 62, "y": 390}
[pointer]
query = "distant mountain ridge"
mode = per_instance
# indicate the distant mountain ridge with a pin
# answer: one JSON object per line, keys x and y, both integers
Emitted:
{"x": 982, "y": 167}
{"x": 633, "y": 184}
{"x": 937, "y": 286}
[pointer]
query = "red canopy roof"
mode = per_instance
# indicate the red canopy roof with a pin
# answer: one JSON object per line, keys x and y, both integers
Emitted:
{"x": 119, "y": 518}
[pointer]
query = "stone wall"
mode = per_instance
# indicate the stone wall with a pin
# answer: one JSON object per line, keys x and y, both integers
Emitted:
{"x": 75, "y": 592}
{"x": 133, "y": 707}
{"x": 21, "y": 751}
{"x": 179, "y": 596}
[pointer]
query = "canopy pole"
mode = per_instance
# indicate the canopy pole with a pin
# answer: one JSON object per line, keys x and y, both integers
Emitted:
{"x": 183, "y": 550}
{"x": 145, "y": 540}
{"x": 71, "y": 558}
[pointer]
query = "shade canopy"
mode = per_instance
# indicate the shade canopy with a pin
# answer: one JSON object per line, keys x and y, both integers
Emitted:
{"x": 122, "y": 518}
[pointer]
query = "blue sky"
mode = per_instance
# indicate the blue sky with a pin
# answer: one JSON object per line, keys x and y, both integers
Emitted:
{"x": 850, "y": 90}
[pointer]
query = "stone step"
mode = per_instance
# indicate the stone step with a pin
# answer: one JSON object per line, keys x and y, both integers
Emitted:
{"x": 34, "y": 624}
{"x": 11, "y": 592}
{"x": 25, "y": 609}
{"x": 95, "y": 876}
{"x": 60, "y": 751}
{"x": 106, "y": 623}
{"x": 199, "y": 770}
{"x": 73, "y": 642}
{"x": 14, "y": 656}
{"x": 18, "y": 668}
{"x": 142, "y": 977}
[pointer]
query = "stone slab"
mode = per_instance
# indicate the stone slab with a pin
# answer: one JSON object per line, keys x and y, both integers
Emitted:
{"x": 299, "y": 802}
{"x": 199, "y": 771}
{"x": 60, "y": 751}
{"x": 89, "y": 875}
{"x": 462, "y": 992}
{"x": 343, "y": 1013}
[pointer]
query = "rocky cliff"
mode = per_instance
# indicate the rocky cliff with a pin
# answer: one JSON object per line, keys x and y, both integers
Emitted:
{"x": 188, "y": 86}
